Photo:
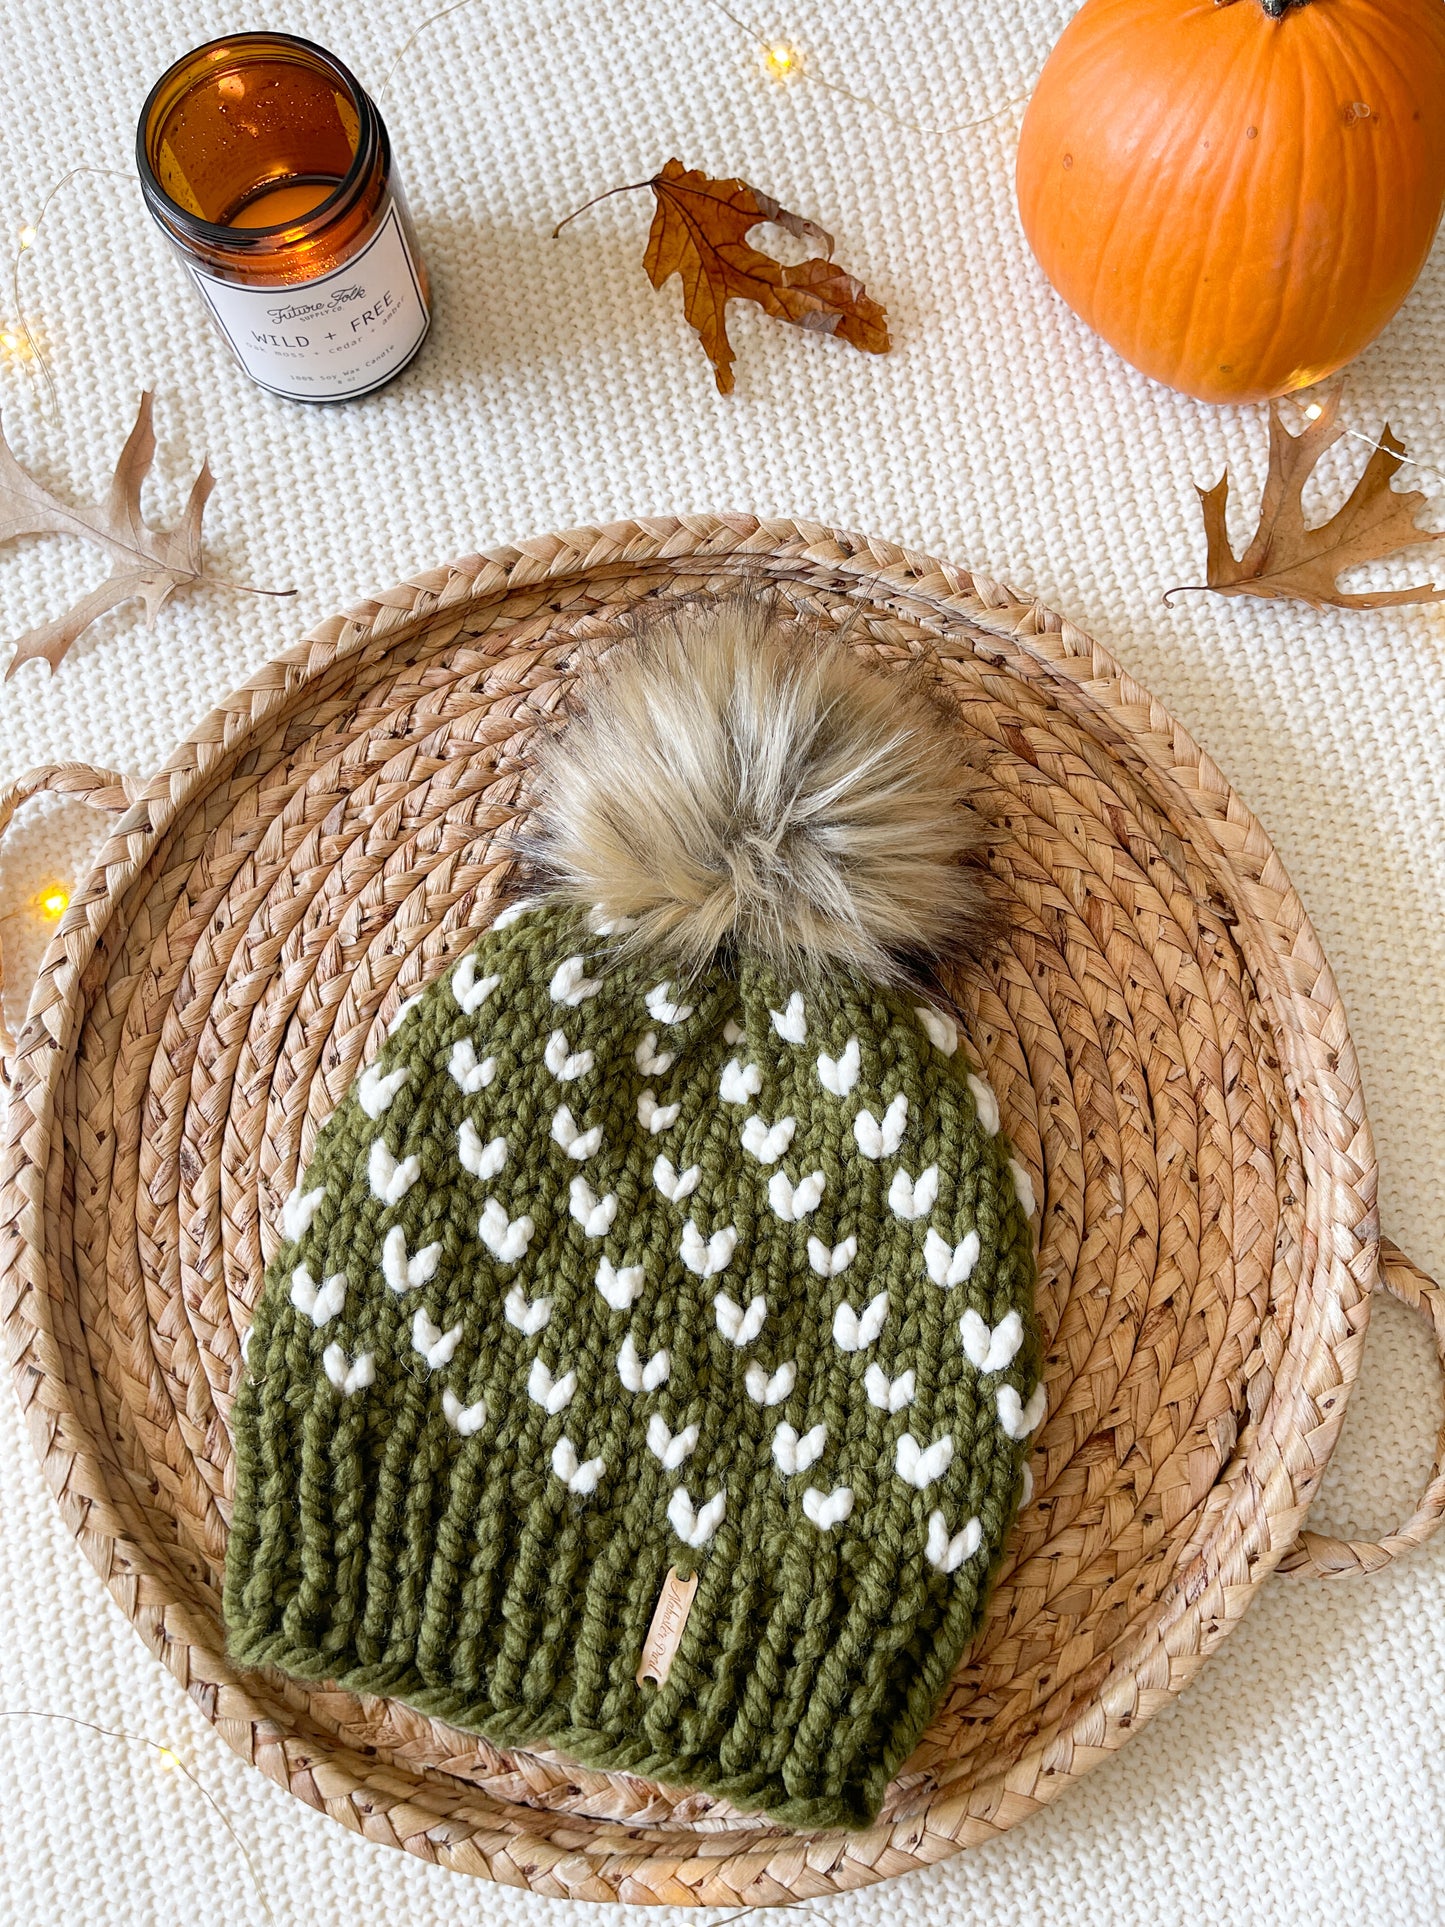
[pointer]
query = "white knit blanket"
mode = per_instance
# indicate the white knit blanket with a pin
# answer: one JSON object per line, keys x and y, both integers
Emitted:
{"x": 1299, "y": 1780}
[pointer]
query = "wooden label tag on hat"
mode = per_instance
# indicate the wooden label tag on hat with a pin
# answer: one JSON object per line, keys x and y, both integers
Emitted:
{"x": 669, "y": 1623}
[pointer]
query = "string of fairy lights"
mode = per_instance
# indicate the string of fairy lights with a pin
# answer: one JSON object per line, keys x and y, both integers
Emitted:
{"x": 1313, "y": 410}
{"x": 168, "y": 1760}
{"x": 23, "y": 339}
{"x": 783, "y": 62}
{"x": 781, "y": 59}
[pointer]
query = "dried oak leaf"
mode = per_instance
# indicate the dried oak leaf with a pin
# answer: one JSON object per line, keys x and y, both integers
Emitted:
{"x": 1287, "y": 560}
{"x": 145, "y": 562}
{"x": 699, "y": 231}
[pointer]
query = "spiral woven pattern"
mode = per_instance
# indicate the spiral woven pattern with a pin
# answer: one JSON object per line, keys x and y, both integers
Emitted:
{"x": 1163, "y": 1034}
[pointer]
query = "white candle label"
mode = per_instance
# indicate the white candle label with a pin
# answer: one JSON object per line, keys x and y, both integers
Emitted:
{"x": 333, "y": 338}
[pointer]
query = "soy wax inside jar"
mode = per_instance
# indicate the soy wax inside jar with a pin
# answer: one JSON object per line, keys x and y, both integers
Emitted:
{"x": 277, "y": 206}
{"x": 269, "y": 169}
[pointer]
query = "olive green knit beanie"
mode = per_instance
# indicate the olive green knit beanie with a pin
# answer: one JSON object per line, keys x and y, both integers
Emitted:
{"x": 657, "y": 1244}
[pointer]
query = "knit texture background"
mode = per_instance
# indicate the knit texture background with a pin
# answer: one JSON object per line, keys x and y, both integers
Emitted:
{"x": 557, "y": 388}
{"x": 592, "y": 1277}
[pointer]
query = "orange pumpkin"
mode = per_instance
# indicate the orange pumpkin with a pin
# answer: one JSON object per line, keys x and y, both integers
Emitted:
{"x": 1237, "y": 202}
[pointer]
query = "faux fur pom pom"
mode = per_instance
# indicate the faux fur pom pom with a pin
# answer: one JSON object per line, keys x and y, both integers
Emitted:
{"x": 741, "y": 781}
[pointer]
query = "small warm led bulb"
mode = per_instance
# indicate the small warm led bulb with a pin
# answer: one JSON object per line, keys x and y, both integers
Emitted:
{"x": 26, "y": 236}
{"x": 1313, "y": 411}
{"x": 54, "y": 902}
{"x": 169, "y": 1760}
{"x": 17, "y": 347}
{"x": 782, "y": 61}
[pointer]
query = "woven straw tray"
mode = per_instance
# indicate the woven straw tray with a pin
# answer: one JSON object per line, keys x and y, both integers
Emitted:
{"x": 1164, "y": 1035}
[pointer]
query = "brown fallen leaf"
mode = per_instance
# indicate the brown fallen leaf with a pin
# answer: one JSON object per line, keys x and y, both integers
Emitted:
{"x": 699, "y": 231}
{"x": 145, "y": 562}
{"x": 1287, "y": 560}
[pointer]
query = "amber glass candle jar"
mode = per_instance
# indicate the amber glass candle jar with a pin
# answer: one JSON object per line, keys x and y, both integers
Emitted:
{"x": 269, "y": 169}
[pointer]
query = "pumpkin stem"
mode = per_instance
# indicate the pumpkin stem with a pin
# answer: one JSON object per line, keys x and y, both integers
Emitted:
{"x": 1277, "y": 9}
